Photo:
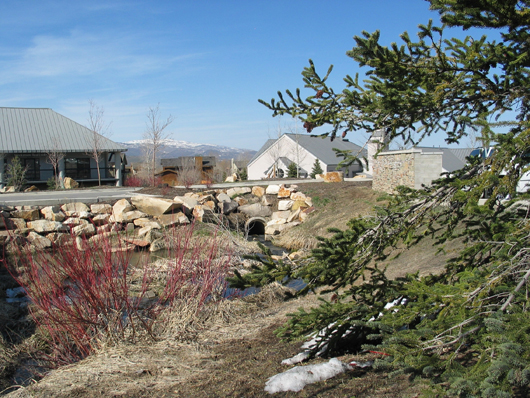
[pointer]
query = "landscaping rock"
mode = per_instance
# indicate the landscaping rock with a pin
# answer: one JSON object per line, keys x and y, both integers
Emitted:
{"x": 167, "y": 220}
{"x": 159, "y": 244}
{"x": 284, "y": 193}
{"x": 84, "y": 230}
{"x": 70, "y": 183}
{"x": 280, "y": 214}
{"x": 255, "y": 210}
{"x": 147, "y": 222}
{"x": 232, "y": 192}
{"x": 100, "y": 208}
{"x": 224, "y": 198}
{"x": 333, "y": 176}
{"x": 120, "y": 207}
{"x": 74, "y": 209}
{"x": 47, "y": 226}
{"x": 53, "y": 213}
{"x": 285, "y": 205}
{"x": 39, "y": 241}
{"x": 258, "y": 191}
{"x": 155, "y": 206}
{"x": 100, "y": 219}
{"x": 28, "y": 215}
{"x": 229, "y": 207}
{"x": 272, "y": 190}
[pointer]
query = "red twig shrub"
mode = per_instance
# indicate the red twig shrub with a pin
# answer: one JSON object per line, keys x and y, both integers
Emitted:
{"x": 83, "y": 299}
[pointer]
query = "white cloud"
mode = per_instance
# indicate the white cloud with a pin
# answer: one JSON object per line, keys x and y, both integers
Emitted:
{"x": 82, "y": 54}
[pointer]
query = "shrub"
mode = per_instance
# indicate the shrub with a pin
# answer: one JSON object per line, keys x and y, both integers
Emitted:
{"x": 84, "y": 299}
{"x": 16, "y": 174}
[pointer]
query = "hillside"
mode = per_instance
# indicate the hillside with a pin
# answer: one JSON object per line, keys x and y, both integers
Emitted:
{"x": 233, "y": 350}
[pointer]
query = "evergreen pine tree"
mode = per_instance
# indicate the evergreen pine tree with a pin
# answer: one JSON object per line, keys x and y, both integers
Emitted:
{"x": 466, "y": 329}
{"x": 292, "y": 170}
{"x": 317, "y": 169}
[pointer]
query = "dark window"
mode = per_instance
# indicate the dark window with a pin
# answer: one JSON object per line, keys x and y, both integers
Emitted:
{"x": 77, "y": 168}
{"x": 32, "y": 168}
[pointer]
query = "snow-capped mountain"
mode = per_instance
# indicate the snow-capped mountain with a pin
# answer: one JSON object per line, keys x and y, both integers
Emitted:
{"x": 175, "y": 149}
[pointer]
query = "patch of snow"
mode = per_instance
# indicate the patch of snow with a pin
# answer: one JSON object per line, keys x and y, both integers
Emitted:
{"x": 297, "y": 378}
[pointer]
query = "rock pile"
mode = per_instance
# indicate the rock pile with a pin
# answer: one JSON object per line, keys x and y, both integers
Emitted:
{"x": 145, "y": 217}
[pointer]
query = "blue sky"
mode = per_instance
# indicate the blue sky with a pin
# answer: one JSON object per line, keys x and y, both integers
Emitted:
{"x": 205, "y": 62}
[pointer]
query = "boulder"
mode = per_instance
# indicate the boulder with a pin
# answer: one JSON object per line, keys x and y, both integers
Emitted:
{"x": 232, "y": 192}
{"x": 258, "y": 191}
{"x": 280, "y": 214}
{"x": 285, "y": 205}
{"x": 284, "y": 193}
{"x": 159, "y": 244}
{"x": 255, "y": 210}
{"x": 120, "y": 207}
{"x": 84, "y": 230}
{"x": 272, "y": 190}
{"x": 33, "y": 188}
{"x": 70, "y": 183}
{"x": 334, "y": 176}
{"x": 40, "y": 242}
{"x": 75, "y": 221}
{"x": 265, "y": 201}
{"x": 224, "y": 198}
{"x": 47, "y": 226}
{"x": 142, "y": 222}
{"x": 131, "y": 216}
{"x": 299, "y": 204}
{"x": 229, "y": 207}
{"x": 155, "y": 206}
{"x": 100, "y": 219}
{"x": 294, "y": 216}
{"x": 14, "y": 223}
{"x": 74, "y": 209}
{"x": 167, "y": 220}
{"x": 28, "y": 215}
{"x": 59, "y": 238}
{"x": 298, "y": 196}
{"x": 153, "y": 235}
{"x": 53, "y": 213}
{"x": 203, "y": 214}
{"x": 100, "y": 208}
{"x": 188, "y": 202}
{"x": 241, "y": 201}
{"x": 275, "y": 229}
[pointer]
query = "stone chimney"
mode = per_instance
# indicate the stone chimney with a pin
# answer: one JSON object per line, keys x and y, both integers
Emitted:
{"x": 378, "y": 142}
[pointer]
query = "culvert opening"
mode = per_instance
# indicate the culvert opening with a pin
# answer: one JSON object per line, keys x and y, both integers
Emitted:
{"x": 256, "y": 226}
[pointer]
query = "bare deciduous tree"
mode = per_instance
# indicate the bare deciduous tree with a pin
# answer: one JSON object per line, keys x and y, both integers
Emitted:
{"x": 100, "y": 130}
{"x": 54, "y": 157}
{"x": 154, "y": 137}
{"x": 189, "y": 173}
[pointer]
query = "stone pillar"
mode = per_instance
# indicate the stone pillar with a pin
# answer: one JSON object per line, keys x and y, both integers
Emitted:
{"x": 117, "y": 166}
{"x": 62, "y": 172}
{"x": 2, "y": 171}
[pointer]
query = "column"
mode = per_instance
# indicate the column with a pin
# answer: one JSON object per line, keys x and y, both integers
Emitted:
{"x": 117, "y": 166}
{"x": 2, "y": 174}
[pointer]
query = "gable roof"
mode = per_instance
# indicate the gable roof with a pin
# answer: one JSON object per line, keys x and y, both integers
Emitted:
{"x": 34, "y": 130}
{"x": 320, "y": 147}
{"x": 452, "y": 158}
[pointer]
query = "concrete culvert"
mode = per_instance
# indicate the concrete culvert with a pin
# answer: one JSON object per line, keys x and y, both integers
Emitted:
{"x": 255, "y": 226}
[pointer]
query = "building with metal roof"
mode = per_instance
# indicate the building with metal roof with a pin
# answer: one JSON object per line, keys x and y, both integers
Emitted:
{"x": 276, "y": 155}
{"x": 32, "y": 134}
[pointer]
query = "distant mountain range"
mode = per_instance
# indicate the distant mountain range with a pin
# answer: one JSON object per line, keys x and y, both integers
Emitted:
{"x": 175, "y": 149}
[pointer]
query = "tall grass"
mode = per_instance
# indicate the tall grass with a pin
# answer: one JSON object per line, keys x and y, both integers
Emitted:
{"x": 83, "y": 300}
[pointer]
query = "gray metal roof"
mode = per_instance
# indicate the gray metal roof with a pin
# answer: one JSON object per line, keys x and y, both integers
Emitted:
{"x": 322, "y": 148}
{"x": 452, "y": 158}
{"x": 34, "y": 130}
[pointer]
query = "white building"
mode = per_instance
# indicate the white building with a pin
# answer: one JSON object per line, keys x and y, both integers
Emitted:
{"x": 277, "y": 154}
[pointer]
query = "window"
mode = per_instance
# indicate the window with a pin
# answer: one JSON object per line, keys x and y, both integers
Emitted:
{"x": 32, "y": 167}
{"x": 77, "y": 168}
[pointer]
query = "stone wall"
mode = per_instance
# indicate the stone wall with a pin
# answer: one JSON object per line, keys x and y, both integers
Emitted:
{"x": 411, "y": 168}
{"x": 391, "y": 169}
